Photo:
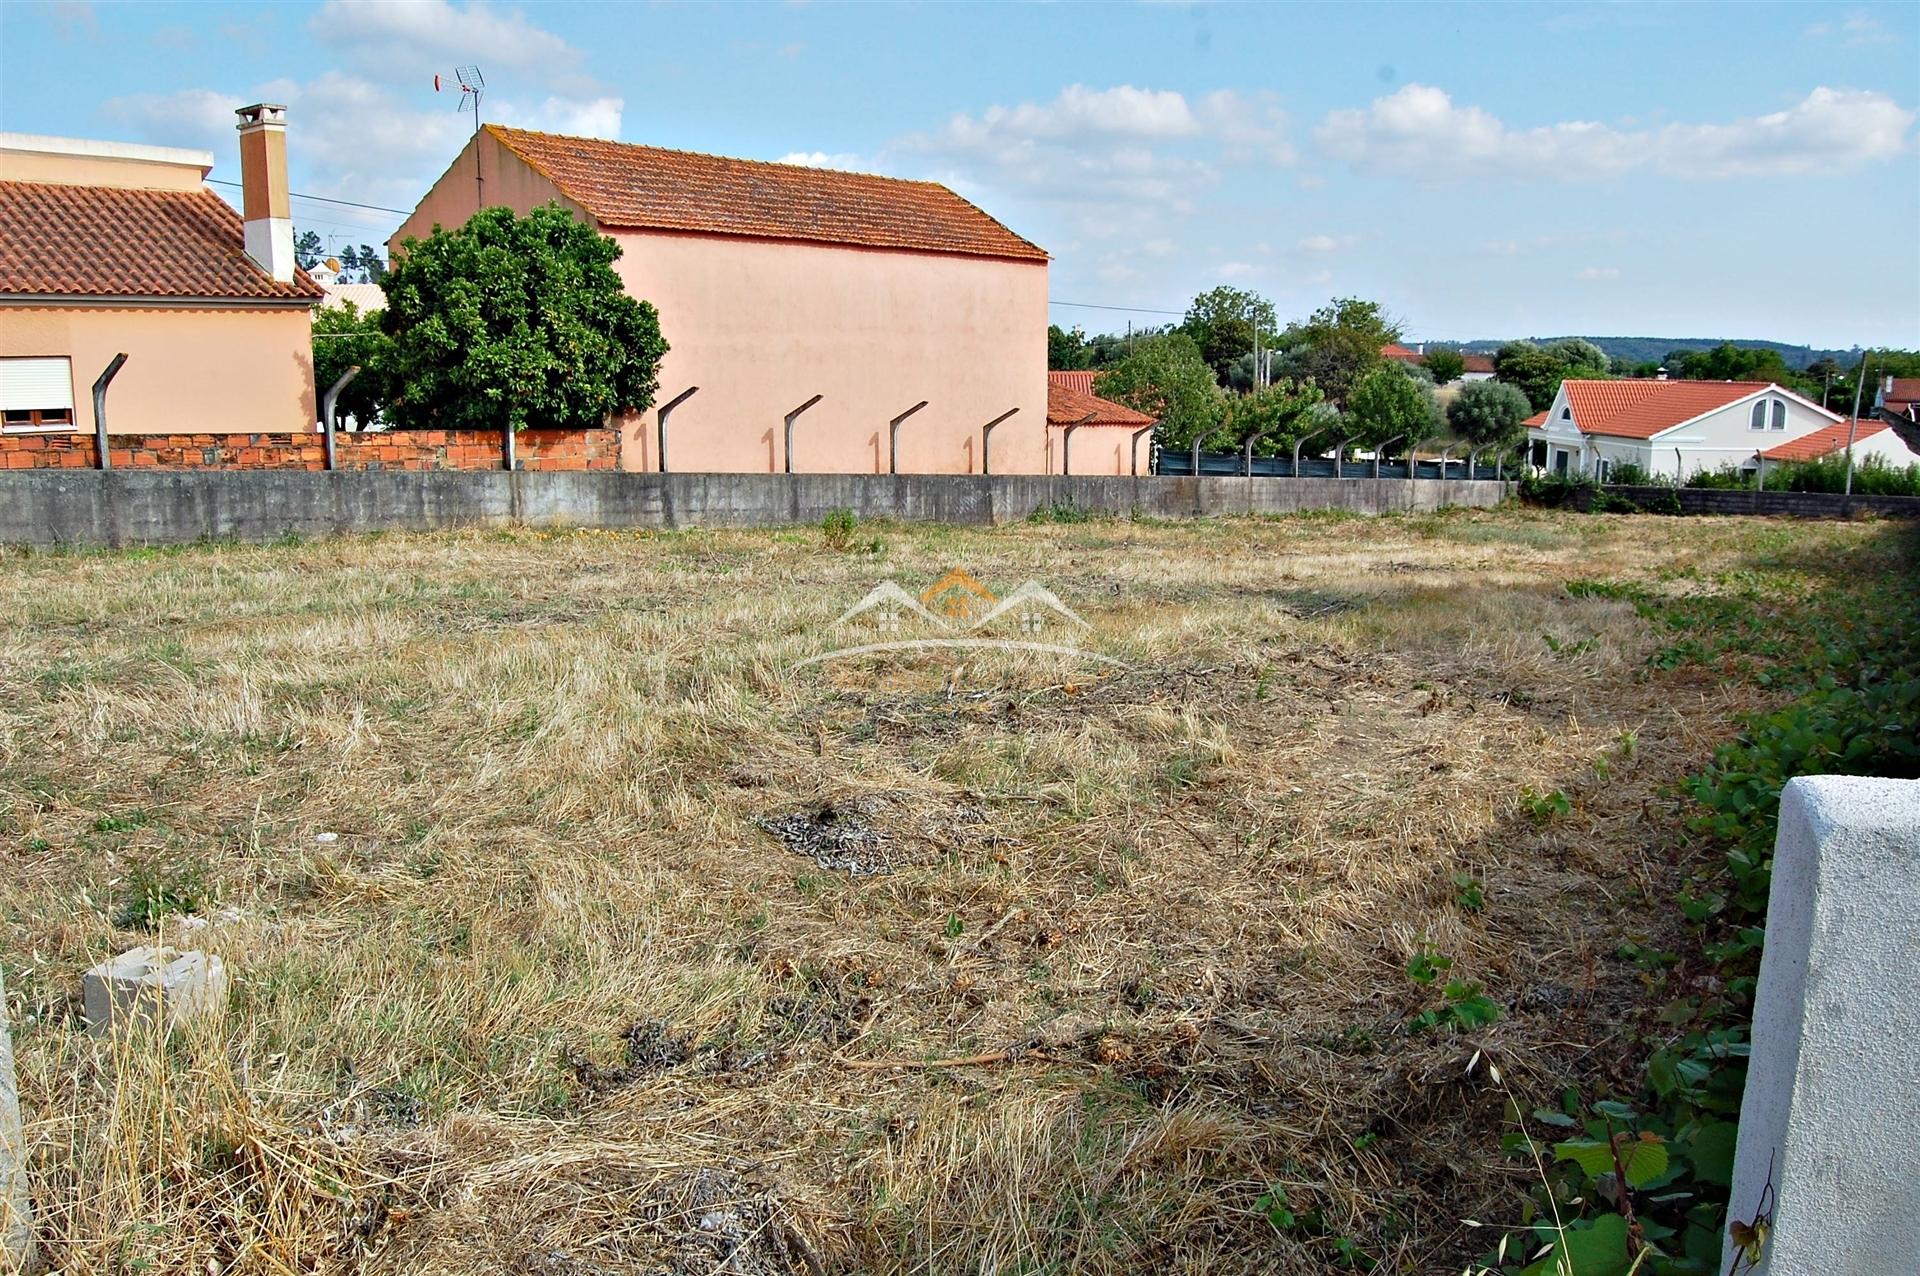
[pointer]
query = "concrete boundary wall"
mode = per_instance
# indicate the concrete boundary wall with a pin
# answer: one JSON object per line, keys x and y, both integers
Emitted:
{"x": 72, "y": 507}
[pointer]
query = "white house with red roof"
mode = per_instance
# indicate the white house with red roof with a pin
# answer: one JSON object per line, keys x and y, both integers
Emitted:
{"x": 1873, "y": 439}
{"x": 1671, "y": 429}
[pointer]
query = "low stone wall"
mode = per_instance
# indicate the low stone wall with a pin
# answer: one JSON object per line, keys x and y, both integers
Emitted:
{"x": 1718, "y": 500}
{"x": 134, "y": 507}
{"x": 388, "y": 450}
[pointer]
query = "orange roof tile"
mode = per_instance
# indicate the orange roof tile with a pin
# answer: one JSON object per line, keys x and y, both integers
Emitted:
{"x": 1066, "y": 405}
{"x": 1640, "y": 409}
{"x": 1478, "y": 363}
{"x": 1393, "y": 350}
{"x": 107, "y": 241}
{"x": 1536, "y": 421}
{"x": 1904, "y": 390}
{"x": 1824, "y": 442}
{"x": 626, "y": 186}
{"x": 1075, "y": 380}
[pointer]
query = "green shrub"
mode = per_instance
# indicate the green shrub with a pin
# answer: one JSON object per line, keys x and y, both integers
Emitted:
{"x": 838, "y": 527}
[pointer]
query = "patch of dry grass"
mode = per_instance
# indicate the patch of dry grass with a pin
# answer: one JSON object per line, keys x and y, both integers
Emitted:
{"x": 556, "y": 1001}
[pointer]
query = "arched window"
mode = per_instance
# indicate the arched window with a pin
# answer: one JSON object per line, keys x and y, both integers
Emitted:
{"x": 1779, "y": 414}
{"x": 1758, "y": 420}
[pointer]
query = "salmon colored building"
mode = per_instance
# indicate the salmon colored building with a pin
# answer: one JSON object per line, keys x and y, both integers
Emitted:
{"x": 112, "y": 249}
{"x": 776, "y": 283}
{"x": 1087, "y": 434}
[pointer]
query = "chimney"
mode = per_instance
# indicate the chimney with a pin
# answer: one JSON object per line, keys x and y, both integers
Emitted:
{"x": 263, "y": 183}
{"x": 1660, "y": 373}
{"x": 1884, "y": 391}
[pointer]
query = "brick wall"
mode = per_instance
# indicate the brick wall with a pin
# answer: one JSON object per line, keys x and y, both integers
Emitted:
{"x": 393, "y": 450}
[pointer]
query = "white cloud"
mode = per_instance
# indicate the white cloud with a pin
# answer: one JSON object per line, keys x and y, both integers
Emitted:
{"x": 1322, "y": 244}
{"x": 1235, "y": 269}
{"x": 821, "y": 159}
{"x": 362, "y": 137}
{"x": 1420, "y": 131}
{"x": 1857, "y": 30}
{"x": 1592, "y": 274}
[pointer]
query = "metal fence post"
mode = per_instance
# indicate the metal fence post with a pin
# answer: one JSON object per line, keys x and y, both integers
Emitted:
{"x": 100, "y": 385}
{"x": 1133, "y": 447}
{"x": 666, "y": 411}
{"x": 986, "y": 437}
{"x": 1340, "y": 458}
{"x": 509, "y": 452}
{"x": 326, "y": 411}
{"x": 1298, "y": 443}
{"x": 893, "y": 437}
{"x": 791, "y": 417}
{"x": 1381, "y": 451}
{"x": 1196, "y": 458}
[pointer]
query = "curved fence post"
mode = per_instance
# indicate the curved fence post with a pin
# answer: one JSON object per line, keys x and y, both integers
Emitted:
{"x": 326, "y": 410}
{"x": 1339, "y": 458}
{"x": 791, "y": 418}
{"x": 1381, "y": 451}
{"x": 1196, "y": 457}
{"x": 667, "y": 411}
{"x": 100, "y": 385}
{"x": 1246, "y": 455}
{"x": 986, "y": 437}
{"x": 893, "y": 437}
{"x": 1473, "y": 462}
{"x": 1297, "y": 445}
{"x": 1133, "y": 447}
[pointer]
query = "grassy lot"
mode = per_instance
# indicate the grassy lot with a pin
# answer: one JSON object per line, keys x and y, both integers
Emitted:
{"x": 539, "y": 869}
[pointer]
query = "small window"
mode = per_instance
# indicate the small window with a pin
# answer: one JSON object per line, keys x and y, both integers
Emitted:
{"x": 1566, "y": 414}
{"x": 1758, "y": 419}
{"x": 36, "y": 394}
{"x": 1779, "y": 414}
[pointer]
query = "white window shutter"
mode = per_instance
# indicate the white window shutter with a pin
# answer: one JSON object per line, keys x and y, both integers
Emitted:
{"x": 29, "y": 384}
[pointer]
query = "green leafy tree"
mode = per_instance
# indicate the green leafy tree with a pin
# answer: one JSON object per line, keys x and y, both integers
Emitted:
{"x": 344, "y": 336}
{"x": 1166, "y": 378}
{"x": 1337, "y": 345}
{"x": 1277, "y": 415}
{"x": 1387, "y": 403}
{"x": 1445, "y": 365}
{"x": 363, "y": 264}
{"x": 1581, "y": 358}
{"x": 1536, "y": 373}
{"x": 1487, "y": 413}
{"x": 1222, "y": 322}
{"x": 517, "y": 321}
{"x": 1067, "y": 349}
{"x": 308, "y": 250}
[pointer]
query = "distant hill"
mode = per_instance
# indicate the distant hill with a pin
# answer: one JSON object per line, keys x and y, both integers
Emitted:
{"x": 1653, "y": 349}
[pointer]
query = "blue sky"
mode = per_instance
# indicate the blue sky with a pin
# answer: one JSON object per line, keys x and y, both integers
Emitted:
{"x": 1499, "y": 170}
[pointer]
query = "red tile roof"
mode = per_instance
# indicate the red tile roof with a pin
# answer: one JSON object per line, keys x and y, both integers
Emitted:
{"x": 1478, "y": 363}
{"x": 1824, "y": 442}
{"x": 1905, "y": 390}
{"x": 1066, "y": 405}
{"x": 1077, "y": 380}
{"x": 1536, "y": 421}
{"x": 1640, "y": 409}
{"x": 106, "y": 241}
{"x": 625, "y": 186}
{"x": 1393, "y": 350}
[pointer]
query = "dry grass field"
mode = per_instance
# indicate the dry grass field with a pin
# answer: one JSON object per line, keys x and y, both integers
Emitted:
{"x": 575, "y": 931}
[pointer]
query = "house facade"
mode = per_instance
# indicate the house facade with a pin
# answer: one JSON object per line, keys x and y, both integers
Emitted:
{"x": 777, "y": 283}
{"x": 1670, "y": 429}
{"x": 110, "y": 249}
{"x": 1087, "y": 434}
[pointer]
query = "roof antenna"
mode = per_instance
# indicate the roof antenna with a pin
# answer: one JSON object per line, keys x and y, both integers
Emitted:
{"x": 472, "y": 85}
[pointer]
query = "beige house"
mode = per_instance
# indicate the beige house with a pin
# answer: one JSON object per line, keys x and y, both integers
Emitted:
{"x": 776, "y": 283}
{"x": 108, "y": 248}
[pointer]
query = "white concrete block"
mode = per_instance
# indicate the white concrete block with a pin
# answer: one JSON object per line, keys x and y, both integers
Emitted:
{"x": 1833, "y": 1089}
{"x": 16, "y": 1204}
{"x": 142, "y": 983}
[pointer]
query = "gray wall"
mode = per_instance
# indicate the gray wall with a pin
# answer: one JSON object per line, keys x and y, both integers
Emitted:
{"x": 134, "y": 507}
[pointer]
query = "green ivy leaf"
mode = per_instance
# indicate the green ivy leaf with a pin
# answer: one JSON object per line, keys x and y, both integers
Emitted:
{"x": 1597, "y": 1250}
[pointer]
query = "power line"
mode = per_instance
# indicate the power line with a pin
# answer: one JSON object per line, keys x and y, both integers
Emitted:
{"x": 1139, "y": 310}
{"x": 322, "y": 199}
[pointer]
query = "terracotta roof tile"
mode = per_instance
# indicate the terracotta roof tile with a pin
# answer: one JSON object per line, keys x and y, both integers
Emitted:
{"x": 1824, "y": 442}
{"x": 1640, "y": 409}
{"x": 1478, "y": 363}
{"x": 1905, "y": 390}
{"x": 1076, "y": 380}
{"x": 107, "y": 241}
{"x": 1066, "y": 405}
{"x": 1393, "y": 350}
{"x": 1537, "y": 421}
{"x": 647, "y": 188}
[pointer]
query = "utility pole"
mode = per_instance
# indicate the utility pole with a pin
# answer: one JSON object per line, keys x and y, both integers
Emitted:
{"x": 1853, "y": 424}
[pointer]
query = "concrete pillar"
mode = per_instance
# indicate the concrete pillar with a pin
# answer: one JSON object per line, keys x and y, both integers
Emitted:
{"x": 1832, "y": 1105}
{"x": 16, "y": 1206}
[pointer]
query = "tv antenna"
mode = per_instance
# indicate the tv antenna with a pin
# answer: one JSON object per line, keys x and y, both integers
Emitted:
{"x": 472, "y": 86}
